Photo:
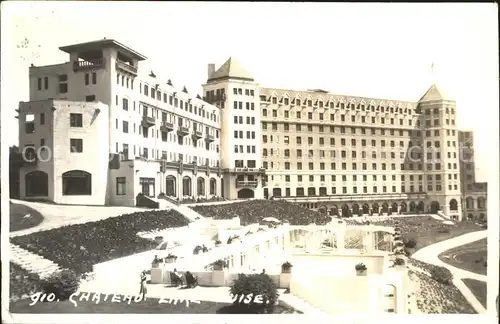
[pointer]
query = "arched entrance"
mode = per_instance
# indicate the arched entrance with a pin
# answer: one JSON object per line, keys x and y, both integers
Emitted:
{"x": 246, "y": 193}
{"x": 421, "y": 206}
{"x": 366, "y": 209}
{"x": 213, "y": 187}
{"x": 413, "y": 207}
{"x": 385, "y": 208}
{"x": 170, "y": 186}
{"x": 334, "y": 211}
{"x": 37, "y": 184}
{"x": 76, "y": 183}
{"x": 346, "y": 212}
{"x": 356, "y": 210}
{"x": 186, "y": 186}
{"x": 434, "y": 207}
{"x": 200, "y": 186}
{"x": 453, "y": 205}
{"x": 394, "y": 208}
{"x": 469, "y": 203}
{"x": 276, "y": 192}
{"x": 322, "y": 210}
{"x": 375, "y": 208}
{"x": 404, "y": 207}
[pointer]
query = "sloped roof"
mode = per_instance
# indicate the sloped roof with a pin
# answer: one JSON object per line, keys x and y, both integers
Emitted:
{"x": 435, "y": 93}
{"x": 231, "y": 69}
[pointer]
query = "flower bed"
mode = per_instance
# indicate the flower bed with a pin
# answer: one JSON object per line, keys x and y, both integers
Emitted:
{"x": 79, "y": 247}
{"x": 22, "y": 283}
{"x": 435, "y": 298}
{"x": 254, "y": 211}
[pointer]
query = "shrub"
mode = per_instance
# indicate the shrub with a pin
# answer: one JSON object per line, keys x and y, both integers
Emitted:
{"x": 251, "y": 286}
{"x": 399, "y": 262}
{"x": 171, "y": 256}
{"x": 61, "y": 283}
{"x": 360, "y": 267}
{"x": 220, "y": 264}
{"x": 411, "y": 244}
{"x": 441, "y": 275}
{"x": 229, "y": 240}
{"x": 218, "y": 242}
{"x": 286, "y": 266}
{"x": 197, "y": 249}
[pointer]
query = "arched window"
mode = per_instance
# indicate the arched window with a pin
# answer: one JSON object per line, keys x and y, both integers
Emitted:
{"x": 76, "y": 183}
{"x": 213, "y": 187}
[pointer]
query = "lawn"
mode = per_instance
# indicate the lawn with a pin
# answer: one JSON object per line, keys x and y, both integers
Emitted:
{"x": 470, "y": 257}
{"x": 78, "y": 247}
{"x": 18, "y": 221}
{"x": 478, "y": 288}
{"x": 427, "y": 230}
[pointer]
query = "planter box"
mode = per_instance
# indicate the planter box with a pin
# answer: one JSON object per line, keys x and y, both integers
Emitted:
{"x": 155, "y": 265}
{"x": 361, "y": 272}
{"x": 286, "y": 270}
{"x": 157, "y": 275}
{"x": 170, "y": 260}
{"x": 285, "y": 279}
{"x": 218, "y": 244}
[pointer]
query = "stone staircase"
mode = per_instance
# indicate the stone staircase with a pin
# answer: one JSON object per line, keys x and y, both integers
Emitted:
{"x": 32, "y": 262}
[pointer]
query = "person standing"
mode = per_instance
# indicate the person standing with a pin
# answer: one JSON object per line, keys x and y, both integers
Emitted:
{"x": 144, "y": 289}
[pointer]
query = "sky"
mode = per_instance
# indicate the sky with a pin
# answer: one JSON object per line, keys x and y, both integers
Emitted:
{"x": 373, "y": 50}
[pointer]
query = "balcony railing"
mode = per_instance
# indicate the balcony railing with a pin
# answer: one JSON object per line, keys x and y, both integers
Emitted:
{"x": 182, "y": 130}
{"x": 248, "y": 184}
{"x": 90, "y": 64}
{"x": 126, "y": 67}
{"x": 166, "y": 126}
{"x": 246, "y": 170}
{"x": 209, "y": 138}
{"x": 197, "y": 134}
{"x": 148, "y": 121}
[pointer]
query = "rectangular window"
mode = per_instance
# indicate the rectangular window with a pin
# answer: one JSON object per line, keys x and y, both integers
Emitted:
{"x": 147, "y": 186}
{"x": 76, "y": 120}
{"x": 76, "y": 145}
{"x": 63, "y": 83}
{"x": 90, "y": 98}
{"x": 39, "y": 84}
{"x": 125, "y": 104}
{"x": 46, "y": 82}
{"x": 125, "y": 126}
{"x": 121, "y": 187}
{"x": 42, "y": 119}
{"x": 87, "y": 79}
{"x": 94, "y": 78}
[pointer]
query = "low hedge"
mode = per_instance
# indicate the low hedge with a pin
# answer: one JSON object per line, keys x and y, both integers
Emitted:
{"x": 78, "y": 247}
{"x": 441, "y": 275}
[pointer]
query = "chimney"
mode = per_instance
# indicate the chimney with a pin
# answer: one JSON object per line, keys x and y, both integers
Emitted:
{"x": 211, "y": 69}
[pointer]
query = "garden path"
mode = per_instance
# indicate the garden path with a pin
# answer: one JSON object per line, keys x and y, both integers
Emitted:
{"x": 429, "y": 254}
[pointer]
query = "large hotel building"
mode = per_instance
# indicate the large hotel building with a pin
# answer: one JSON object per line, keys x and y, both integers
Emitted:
{"x": 98, "y": 130}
